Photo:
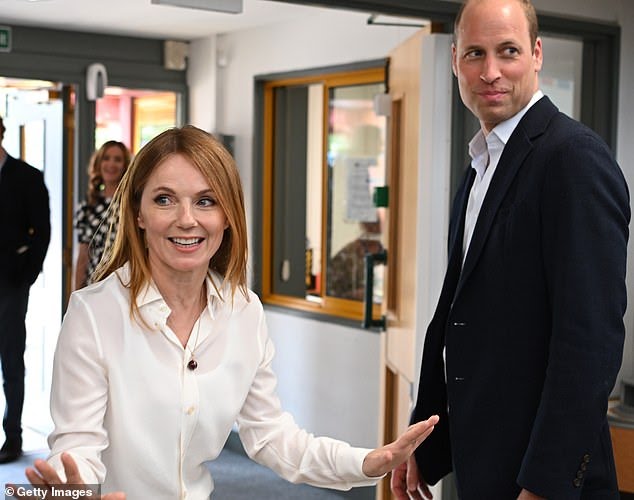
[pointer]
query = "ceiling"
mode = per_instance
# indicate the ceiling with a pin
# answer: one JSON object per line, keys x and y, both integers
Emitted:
{"x": 142, "y": 18}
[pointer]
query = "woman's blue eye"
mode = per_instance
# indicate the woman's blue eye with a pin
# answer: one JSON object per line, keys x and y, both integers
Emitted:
{"x": 161, "y": 200}
{"x": 207, "y": 202}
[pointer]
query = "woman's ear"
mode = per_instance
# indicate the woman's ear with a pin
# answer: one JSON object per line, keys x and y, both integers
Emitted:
{"x": 139, "y": 221}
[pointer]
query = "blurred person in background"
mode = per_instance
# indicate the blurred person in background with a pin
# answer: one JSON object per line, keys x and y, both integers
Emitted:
{"x": 26, "y": 231}
{"x": 107, "y": 166}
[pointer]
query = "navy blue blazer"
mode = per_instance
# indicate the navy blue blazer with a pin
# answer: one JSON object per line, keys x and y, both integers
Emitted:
{"x": 532, "y": 323}
{"x": 24, "y": 222}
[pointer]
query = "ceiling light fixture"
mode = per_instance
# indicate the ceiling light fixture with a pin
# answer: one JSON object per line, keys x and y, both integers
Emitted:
{"x": 375, "y": 20}
{"x": 228, "y": 6}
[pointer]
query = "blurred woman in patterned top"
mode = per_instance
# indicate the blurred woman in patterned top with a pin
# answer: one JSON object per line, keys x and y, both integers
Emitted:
{"x": 107, "y": 166}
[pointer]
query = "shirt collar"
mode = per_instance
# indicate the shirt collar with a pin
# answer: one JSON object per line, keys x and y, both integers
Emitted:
{"x": 480, "y": 144}
{"x": 151, "y": 294}
{"x": 479, "y": 153}
{"x": 503, "y": 130}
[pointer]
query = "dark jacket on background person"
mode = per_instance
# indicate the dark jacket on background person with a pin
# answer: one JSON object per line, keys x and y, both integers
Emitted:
{"x": 24, "y": 222}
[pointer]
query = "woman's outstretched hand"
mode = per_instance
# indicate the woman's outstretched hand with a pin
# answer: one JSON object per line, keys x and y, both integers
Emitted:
{"x": 44, "y": 476}
{"x": 388, "y": 457}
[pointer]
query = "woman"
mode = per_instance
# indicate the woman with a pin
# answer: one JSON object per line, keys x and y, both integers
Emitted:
{"x": 158, "y": 359}
{"x": 107, "y": 166}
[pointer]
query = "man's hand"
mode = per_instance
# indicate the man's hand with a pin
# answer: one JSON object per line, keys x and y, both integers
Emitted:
{"x": 527, "y": 495}
{"x": 406, "y": 484}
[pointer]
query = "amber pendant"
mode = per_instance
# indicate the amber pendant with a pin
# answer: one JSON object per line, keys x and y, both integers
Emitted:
{"x": 193, "y": 364}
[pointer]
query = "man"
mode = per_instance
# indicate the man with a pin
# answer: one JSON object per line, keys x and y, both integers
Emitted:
{"x": 25, "y": 229}
{"x": 530, "y": 316}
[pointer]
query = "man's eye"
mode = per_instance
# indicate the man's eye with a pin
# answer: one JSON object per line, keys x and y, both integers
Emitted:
{"x": 473, "y": 54}
{"x": 510, "y": 51}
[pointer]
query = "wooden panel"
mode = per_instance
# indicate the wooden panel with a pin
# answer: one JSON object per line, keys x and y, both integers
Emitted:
{"x": 405, "y": 66}
{"x": 623, "y": 444}
{"x": 390, "y": 432}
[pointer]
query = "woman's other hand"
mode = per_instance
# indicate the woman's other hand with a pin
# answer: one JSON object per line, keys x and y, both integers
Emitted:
{"x": 43, "y": 475}
{"x": 388, "y": 457}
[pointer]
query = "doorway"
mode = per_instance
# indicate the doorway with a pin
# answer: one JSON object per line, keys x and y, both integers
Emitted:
{"x": 33, "y": 112}
{"x": 134, "y": 116}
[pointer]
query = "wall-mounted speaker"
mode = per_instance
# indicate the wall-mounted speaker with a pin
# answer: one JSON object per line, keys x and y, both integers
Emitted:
{"x": 96, "y": 81}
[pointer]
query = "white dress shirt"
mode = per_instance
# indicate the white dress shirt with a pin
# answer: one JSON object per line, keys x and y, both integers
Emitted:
{"x": 136, "y": 419}
{"x": 485, "y": 152}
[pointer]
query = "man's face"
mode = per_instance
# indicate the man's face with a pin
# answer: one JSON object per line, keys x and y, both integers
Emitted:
{"x": 496, "y": 67}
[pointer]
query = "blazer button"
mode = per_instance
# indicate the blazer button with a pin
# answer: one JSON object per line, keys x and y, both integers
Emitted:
{"x": 577, "y": 482}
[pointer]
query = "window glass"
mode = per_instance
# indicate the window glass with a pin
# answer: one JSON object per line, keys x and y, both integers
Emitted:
{"x": 324, "y": 150}
{"x": 356, "y": 166}
{"x": 560, "y": 77}
{"x": 133, "y": 116}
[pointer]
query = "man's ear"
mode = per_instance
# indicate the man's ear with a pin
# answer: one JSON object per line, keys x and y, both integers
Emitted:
{"x": 454, "y": 66}
{"x": 538, "y": 55}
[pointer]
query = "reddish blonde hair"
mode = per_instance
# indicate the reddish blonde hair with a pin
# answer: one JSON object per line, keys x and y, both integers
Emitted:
{"x": 217, "y": 166}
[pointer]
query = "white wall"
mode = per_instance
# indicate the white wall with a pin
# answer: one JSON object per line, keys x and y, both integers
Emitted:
{"x": 625, "y": 156}
{"x": 328, "y": 373}
{"x": 201, "y": 79}
{"x": 328, "y": 377}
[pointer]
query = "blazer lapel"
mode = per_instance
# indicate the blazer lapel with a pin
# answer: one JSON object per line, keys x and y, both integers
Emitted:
{"x": 532, "y": 124}
{"x": 5, "y": 174}
{"x": 457, "y": 237}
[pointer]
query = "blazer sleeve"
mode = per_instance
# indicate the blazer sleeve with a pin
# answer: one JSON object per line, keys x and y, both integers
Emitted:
{"x": 39, "y": 226}
{"x": 585, "y": 217}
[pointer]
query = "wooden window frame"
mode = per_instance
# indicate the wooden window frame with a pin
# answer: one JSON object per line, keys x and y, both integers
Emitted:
{"x": 331, "y": 306}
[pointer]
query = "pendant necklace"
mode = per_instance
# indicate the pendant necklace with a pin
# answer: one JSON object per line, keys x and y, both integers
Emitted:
{"x": 193, "y": 364}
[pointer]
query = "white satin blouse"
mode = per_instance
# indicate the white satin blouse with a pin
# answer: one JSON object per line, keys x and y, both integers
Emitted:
{"x": 136, "y": 419}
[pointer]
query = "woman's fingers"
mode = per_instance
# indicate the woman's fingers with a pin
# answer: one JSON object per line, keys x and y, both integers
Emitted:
{"x": 417, "y": 433}
{"x": 43, "y": 474}
{"x": 71, "y": 470}
{"x": 33, "y": 477}
{"x": 114, "y": 496}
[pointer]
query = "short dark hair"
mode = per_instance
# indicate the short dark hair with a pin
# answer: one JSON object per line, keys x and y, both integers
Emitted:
{"x": 529, "y": 12}
{"x": 2, "y": 129}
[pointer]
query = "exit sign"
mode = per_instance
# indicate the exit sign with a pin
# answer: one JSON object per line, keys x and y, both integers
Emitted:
{"x": 5, "y": 39}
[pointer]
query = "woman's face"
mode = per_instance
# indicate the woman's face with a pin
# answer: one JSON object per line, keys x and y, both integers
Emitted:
{"x": 112, "y": 165}
{"x": 183, "y": 223}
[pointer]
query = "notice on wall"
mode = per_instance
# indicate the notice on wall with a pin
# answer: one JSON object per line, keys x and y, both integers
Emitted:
{"x": 5, "y": 39}
{"x": 359, "y": 205}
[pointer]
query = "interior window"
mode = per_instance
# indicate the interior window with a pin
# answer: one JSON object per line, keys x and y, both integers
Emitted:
{"x": 324, "y": 159}
{"x": 560, "y": 77}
